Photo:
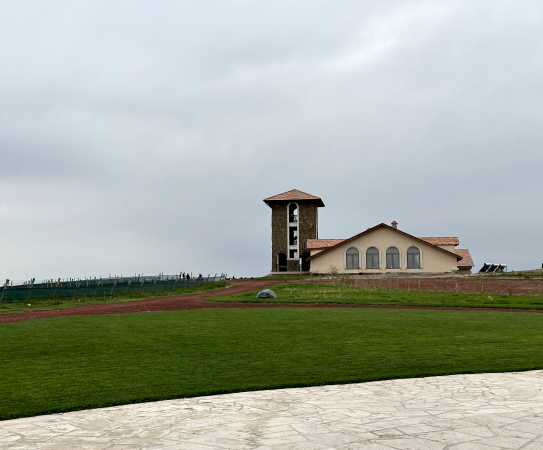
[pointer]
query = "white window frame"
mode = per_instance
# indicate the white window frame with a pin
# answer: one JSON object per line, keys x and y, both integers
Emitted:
{"x": 289, "y": 226}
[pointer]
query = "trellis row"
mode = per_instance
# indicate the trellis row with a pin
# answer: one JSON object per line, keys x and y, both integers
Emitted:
{"x": 98, "y": 287}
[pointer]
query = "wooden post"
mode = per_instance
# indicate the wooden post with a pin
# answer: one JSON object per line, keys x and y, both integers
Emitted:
{"x": 113, "y": 288}
{"x": 97, "y": 286}
{"x": 6, "y": 284}
{"x": 128, "y": 288}
{"x": 153, "y": 290}
{"x": 77, "y": 288}
{"x": 31, "y": 286}
{"x": 56, "y": 287}
{"x": 141, "y": 286}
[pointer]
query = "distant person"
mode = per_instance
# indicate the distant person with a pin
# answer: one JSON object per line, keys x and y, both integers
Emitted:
{"x": 188, "y": 277}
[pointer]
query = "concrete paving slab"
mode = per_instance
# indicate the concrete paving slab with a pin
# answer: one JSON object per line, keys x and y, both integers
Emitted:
{"x": 459, "y": 412}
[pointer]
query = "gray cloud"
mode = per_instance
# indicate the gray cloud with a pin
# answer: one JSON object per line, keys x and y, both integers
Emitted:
{"x": 143, "y": 137}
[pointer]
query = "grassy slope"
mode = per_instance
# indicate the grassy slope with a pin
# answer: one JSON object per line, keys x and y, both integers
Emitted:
{"x": 72, "y": 363}
{"x": 57, "y": 303}
{"x": 329, "y": 293}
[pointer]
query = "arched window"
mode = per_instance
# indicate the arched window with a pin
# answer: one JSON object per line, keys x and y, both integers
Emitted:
{"x": 372, "y": 258}
{"x": 353, "y": 259}
{"x": 293, "y": 212}
{"x": 393, "y": 258}
{"x": 413, "y": 258}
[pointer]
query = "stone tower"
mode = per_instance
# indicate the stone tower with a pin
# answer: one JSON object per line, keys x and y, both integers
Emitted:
{"x": 294, "y": 220}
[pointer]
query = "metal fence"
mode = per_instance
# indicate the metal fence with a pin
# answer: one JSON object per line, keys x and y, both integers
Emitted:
{"x": 101, "y": 287}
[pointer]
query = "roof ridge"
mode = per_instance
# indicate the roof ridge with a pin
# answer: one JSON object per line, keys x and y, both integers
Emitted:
{"x": 381, "y": 225}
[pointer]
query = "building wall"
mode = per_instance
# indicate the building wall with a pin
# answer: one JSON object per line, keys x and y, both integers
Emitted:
{"x": 307, "y": 215}
{"x": 279, "y": 232}
{"x": 307, "y": 229}
{"x": 432, "y": 259}
{"x": 450, "y": 248}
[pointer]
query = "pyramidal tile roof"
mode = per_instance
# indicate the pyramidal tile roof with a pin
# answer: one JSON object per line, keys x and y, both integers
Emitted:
{"x": 294, "y": 195}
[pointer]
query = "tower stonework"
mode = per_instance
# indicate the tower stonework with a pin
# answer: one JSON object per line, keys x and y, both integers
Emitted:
{"x": 294, "y": 220}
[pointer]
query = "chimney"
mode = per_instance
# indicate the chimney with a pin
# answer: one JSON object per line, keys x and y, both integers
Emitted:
{"x": 394, "y": 224}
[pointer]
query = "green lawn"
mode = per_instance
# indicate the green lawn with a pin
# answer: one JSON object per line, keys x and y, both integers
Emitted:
{"x": 331, "y": 293}
{"x": 69, "y": 363}
{"x": 68, "y": 302}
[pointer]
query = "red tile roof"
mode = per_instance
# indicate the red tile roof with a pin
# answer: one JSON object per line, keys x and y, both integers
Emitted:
{"x": 382, "y": 225}
{"x": 466, "y": 260}
{"x": 441, "y": 240}
{"x": 319, "y": 244}
{"x": 294, "y": 195}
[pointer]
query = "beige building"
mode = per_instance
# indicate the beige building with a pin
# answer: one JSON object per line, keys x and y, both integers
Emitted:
{"x": 386, "y": 249}
{"x": 381, "y": 249}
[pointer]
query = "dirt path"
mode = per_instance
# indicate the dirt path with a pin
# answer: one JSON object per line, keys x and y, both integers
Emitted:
{"x": 197, "y": 301}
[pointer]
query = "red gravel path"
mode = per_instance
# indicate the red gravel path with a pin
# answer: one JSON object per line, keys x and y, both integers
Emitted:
{"x": 197, "y": 301}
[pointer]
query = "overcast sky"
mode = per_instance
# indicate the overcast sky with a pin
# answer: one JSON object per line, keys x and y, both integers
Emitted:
{"x": 142, "y": 136}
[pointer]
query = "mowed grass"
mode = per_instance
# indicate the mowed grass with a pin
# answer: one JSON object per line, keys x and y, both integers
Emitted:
{"x": 331, "y": 293}
{"x": 68, "y": 302}
{"x": 70, "y": 363}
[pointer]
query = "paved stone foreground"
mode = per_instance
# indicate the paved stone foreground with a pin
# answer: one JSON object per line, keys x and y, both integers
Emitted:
{"x": 460, "y": 412}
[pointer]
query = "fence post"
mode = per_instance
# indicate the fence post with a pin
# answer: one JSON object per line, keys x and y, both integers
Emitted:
{"x": 6, "y": 284}
{"x": 141, "y": 286}
{"x": 56, "y": 287}
{"x": 97, "y": 286}
{"x": 128, "y": 288}
{"x": 77, "y": 288}
{"x": 31, "y": 286}
{"x": 113, "y": 288}
{"x": 154, "y": 284}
